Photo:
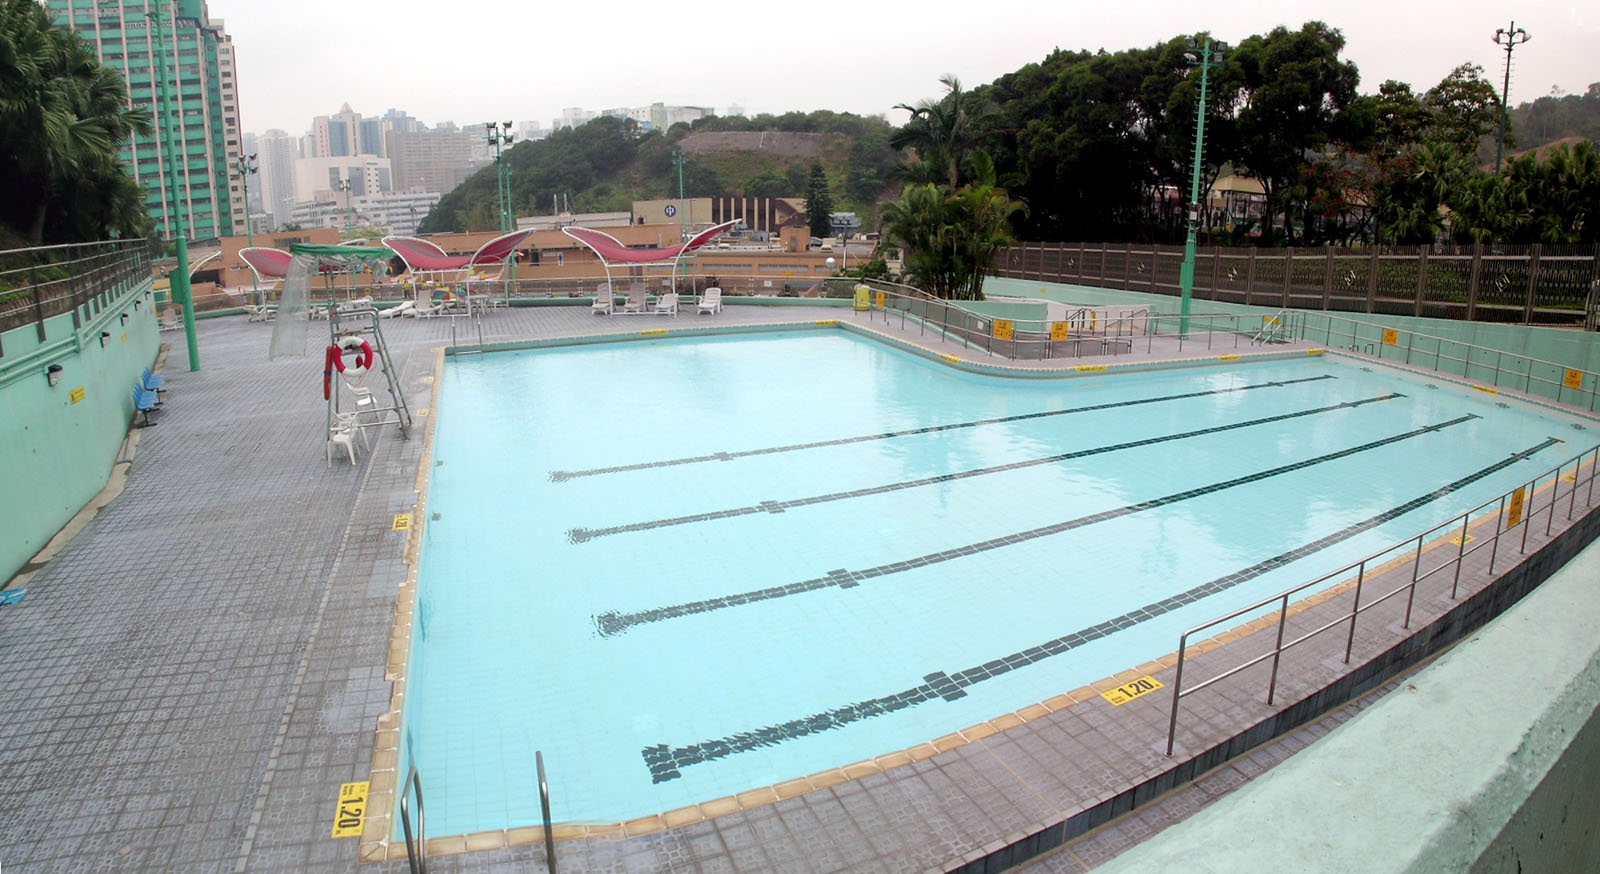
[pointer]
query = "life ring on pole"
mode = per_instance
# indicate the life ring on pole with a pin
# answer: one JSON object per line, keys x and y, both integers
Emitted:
{"x": 357, "y": 345}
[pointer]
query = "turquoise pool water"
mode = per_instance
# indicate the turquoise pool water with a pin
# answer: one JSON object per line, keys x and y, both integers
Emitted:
{"x": 688, "y": 568}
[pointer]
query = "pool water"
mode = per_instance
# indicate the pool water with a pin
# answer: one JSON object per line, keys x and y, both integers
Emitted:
{"x": 684, "y": 569}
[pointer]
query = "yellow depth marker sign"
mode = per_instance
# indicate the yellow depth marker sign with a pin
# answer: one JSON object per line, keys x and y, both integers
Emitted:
{"x": 1089, "y": 368}
{"x": 402, "y": 521}
{"x": 1573, "y": 379}
{"x": 953, "y": 359}
{"x": 1514, "y": 512}
{"x": 652, "y": 333}
{"x": 352, "y": 809}
{"x": 1129, "y": 691}
{"x": 1227, "y": 358}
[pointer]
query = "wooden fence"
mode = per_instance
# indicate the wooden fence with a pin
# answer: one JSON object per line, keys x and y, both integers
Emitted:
{"x": 1532, "y": 285}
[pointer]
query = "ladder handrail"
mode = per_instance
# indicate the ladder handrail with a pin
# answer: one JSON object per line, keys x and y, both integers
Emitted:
{"x": 416, "y": 849}
{"x": 544, "y": 807}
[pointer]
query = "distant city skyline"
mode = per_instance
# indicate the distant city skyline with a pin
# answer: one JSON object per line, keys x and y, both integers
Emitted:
{"x": 444, "y": 64}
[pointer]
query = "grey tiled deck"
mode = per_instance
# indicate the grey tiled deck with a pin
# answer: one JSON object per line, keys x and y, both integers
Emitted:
{"x": 191, "y": 679}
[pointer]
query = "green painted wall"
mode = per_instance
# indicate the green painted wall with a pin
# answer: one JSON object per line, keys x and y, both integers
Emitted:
{"x": 55, "y": 455}
{"x": 1563, "y": 347}
{"x": 1021, "y": 312}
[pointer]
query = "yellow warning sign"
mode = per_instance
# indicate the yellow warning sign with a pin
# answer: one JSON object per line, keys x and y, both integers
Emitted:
{"x": 1129, "y": 691}
{"x": 883, "y": 300}
{"x": 76, "y": 394}
{"x": 1003, "y": 329}
{"x": 402, "y": 521}
{"x": 1514, "y": 513}
{"x": 1573, "y": 379}
{"x": 863, "y": 299}
{"x": 1060, "y": 330}
{"x": 352, "y": 810}
{"x": 1391, "y": 337}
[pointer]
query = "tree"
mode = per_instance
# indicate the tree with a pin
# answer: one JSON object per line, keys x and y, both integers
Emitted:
{"x": 944, "y": 132}
{"x": 951, "y": 238}
{"x": 1464, "y": 109}
{"x": 62, "y": 117}
{"x": 1296, "y": 87}
{"x": 819, "y": 203}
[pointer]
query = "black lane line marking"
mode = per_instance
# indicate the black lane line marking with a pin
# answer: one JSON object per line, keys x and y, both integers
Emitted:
{"x": 613, "y": 622}
{"x": 584, "y": 535}
{"x": 665, "y": 763}
{"x": 560, "y": 476}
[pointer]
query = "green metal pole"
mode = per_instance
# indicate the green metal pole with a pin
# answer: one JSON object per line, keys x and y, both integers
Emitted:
{"x": 178, "y": 281}
{"x": 683, "y": 216}
{"x": 249, "y": 233}
{"x": 1186, "y": 272}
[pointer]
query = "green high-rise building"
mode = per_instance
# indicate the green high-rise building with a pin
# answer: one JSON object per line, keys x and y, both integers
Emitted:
{"x": 202, "y": 79}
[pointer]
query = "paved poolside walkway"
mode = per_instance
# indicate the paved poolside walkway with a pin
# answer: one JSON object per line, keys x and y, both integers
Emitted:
{"x": 191, "y": 679}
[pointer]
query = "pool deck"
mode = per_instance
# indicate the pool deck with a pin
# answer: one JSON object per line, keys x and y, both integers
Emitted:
{"x": 193, "y": 676}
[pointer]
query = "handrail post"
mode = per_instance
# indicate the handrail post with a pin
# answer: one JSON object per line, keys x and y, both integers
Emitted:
{"x": 1177, "y": 687}
{"x": 1527, "y": 515}
{"x": 1277, "y": 649}
{"x": 1461, "y": 552}
{"x": 1499, "y": 519}
{"x": 544, "y": 808}
{"x": 416, "y": 845}
{"x": 1355, "y": 608}
{"x": 1416, "y": 573}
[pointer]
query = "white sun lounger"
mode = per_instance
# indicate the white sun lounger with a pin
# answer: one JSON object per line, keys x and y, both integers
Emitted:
{"x": 711, "y": 301}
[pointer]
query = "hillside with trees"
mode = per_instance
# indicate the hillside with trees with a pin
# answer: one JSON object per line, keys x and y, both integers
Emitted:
{"x": 608, "y": 163}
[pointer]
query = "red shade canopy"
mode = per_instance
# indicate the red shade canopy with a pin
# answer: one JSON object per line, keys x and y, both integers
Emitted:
{"x": 421, "y": 255}
{"x": 266, "y": 262}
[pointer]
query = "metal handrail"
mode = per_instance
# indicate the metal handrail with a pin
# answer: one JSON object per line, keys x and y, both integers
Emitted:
{"x": 1273, "y": 328}
{"x": 1588, "y": 378}
{"x": 1282, "y": 600}
{"x": 416, "y": 848}
{"x": 544, "y": 808}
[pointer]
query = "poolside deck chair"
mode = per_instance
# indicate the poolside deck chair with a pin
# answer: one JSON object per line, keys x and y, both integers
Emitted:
{"x": 394, "y": 312}
{"x": 605, "y": 301}
{"x": 711, "y": 301}
{"x": 667, "y": 304}
{"x": 343, "y": 433}
{"x": 636, "y": 302}
{"x": 427, "y": 312}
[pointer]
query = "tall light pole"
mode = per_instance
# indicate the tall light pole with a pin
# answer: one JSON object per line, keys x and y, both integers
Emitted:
{"x": 1510, "y": 37}
{"x": 683, "y": 217}
{"x": 178, "y": 281}
{"x": 500, "y": 135}
{"x": 349, "y": 225}
{"x": 247, "y": 167}
{"x": 1203, "y": 57}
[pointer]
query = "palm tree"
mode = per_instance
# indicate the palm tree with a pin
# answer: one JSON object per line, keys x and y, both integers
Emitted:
{"x": 62, "y": 116}
{"x": 943, "y": 132}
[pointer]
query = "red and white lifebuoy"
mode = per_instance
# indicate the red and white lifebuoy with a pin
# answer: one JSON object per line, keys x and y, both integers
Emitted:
{"x": 363, "y": 355}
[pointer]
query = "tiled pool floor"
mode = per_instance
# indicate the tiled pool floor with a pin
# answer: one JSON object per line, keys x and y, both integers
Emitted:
{"x": 192, "y": 678}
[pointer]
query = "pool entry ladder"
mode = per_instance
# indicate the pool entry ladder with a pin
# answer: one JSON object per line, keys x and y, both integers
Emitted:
{"x": 363, "y": 323}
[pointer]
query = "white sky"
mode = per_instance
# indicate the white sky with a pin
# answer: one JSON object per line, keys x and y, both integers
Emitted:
{"x": 475, "y": 60}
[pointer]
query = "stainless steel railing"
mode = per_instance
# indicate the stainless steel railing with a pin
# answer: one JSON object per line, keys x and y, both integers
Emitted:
{"x": 544, "y": 809}
{"x": 416, "y": 842}
{"x": 1549, "y": 379}
{"x": 1518, "y": 500}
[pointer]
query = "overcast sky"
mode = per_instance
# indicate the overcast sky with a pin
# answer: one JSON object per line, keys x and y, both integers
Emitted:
{"x": 475, "y": 60}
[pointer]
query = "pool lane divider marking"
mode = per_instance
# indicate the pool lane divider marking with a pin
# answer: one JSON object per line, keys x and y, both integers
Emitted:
{"x": 666, "y": 763}
{"x": 564, "y": 475}
{"x": 583, "y": 535}
{"x": 613, "y": 622}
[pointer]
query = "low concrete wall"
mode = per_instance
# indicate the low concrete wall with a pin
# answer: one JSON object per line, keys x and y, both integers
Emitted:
{"x": 58, "y": 443}
{"x": 1486, "y": 760}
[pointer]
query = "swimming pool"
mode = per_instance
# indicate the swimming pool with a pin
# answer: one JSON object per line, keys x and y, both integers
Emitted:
{"x": 689, "y": 568}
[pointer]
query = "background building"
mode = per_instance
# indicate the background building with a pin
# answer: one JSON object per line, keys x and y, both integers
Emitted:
{"x": 431, "y": 160}
{"x": 198, "y": 52}
{"x": 277, "y": 152}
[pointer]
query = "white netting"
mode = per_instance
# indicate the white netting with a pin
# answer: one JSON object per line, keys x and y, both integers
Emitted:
{"x": 289, "y": 329}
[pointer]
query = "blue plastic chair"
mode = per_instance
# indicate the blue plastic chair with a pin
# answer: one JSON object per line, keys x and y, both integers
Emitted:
{"x": 151, "y": 382}
{"x": 144, "y": 401}
{"x": 11, "y": 596}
